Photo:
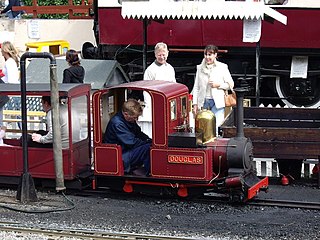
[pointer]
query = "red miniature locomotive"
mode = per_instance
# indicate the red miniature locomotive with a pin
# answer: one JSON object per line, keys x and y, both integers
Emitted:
{"x": 180, "y": 161}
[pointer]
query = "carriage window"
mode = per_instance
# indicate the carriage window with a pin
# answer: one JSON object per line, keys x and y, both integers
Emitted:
{"x": 12, "y": 115}
{"x": 79, "y": 118}
{"x": 173, "y": 109}
{"x": 107, "y": 109}
{"x": 111, "y": 104}
{"x": 184, "y": 106}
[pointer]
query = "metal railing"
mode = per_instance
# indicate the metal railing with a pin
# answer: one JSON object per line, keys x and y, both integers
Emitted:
{"x": 82, "y": 11}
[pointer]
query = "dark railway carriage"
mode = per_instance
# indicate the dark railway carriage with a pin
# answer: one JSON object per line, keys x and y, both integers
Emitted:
{"x": 76, "y": 158}
{"x": 119, "y": 35}
{"x": 180, "y": 163}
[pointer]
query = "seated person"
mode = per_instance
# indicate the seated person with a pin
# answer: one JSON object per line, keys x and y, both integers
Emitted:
{"x": 2, "y": 134}
{"x": 44, "y": 139}
{"x": 123, "y": 130}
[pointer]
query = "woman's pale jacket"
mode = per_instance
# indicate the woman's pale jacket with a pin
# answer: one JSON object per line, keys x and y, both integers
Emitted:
{"x": 218, "y": 73}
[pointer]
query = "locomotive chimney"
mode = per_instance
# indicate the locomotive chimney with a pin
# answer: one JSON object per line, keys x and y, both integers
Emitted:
{"x": 239, "y": 113}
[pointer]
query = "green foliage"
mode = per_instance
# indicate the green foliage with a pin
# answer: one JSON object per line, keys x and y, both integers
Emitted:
{"x": 53, "y": 3}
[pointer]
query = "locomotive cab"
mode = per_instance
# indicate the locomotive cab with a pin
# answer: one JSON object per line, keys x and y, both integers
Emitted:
{"x": 179, "y": 159}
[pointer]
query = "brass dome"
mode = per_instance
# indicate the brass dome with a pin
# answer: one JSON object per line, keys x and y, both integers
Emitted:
{"x": 206, "y": 124}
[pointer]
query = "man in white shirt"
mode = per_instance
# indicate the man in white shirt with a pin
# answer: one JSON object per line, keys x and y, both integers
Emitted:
{"x": 160, "y": 69}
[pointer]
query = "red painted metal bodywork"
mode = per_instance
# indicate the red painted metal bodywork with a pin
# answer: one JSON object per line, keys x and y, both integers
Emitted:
{"x": 263, "y": 184}
{"x": 162, "y": 93}
{"x": 76, "y": 159}
{"x": 162, "y": 168}
{"x": 219, "y": 158}
{"x": 300, "y": 32}
{"x": 41, "y": 164}
{"x": 108, "y": 156}
{"x": 108, "y": 160}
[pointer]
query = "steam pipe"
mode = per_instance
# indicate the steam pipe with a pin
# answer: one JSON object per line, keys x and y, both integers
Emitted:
{"x": 145, "y": 43}
{"x": 258, "y": 74}
{"x": 57, "y": 145}
{"x": 240, "y": 112}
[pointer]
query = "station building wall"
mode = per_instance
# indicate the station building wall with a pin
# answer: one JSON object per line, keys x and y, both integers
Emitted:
{"x": 22, "y": 31}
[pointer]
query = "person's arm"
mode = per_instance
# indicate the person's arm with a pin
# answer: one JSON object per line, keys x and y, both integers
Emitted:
{"x": 67, "y": 76}
{"x": 228, "y": 82}
{"x": 148, "y": 74}
{"x": 48, "y": 138}
{"x": 195, "y": 93}
{"x": 12, "y": 73}
{"x": 126, "y": 137}
{"x": 144, "y": 137}
{"x": 2, "y": 132}
{"x": 84, "y": 73}
{"x": 173, "y": 74}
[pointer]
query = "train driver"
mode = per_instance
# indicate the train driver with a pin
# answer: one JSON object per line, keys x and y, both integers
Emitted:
{"x": 123, "y": 130}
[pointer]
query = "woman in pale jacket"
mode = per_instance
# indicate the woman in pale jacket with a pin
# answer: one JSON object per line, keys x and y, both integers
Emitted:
{"x": 212, "y": 80}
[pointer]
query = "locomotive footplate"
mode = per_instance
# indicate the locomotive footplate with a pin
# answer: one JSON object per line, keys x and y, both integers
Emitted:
{"x": 185, "y": 139}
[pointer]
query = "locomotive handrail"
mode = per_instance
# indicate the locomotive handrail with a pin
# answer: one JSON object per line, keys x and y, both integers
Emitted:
{"x": 193, "y": 50}
{"x": 287, "y": 72}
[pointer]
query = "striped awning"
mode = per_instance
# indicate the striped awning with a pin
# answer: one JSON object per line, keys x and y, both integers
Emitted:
{"x": 209, "y": 9}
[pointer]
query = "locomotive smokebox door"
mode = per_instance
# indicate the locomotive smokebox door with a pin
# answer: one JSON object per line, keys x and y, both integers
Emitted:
{"x": 240, "y": 155}
{"x": 185, "y": 139}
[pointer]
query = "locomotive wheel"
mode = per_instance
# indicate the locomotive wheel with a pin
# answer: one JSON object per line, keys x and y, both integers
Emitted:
{"x": 236, "y": 197}
{"x": 299, "y": 92}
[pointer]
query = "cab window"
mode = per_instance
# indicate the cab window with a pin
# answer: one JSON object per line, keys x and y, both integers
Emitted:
{"x": 79, "y": 117}
{"x": 184, "y": 110}
{"x": 173, "y": 110}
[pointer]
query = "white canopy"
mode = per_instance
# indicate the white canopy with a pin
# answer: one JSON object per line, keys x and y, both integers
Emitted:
{"x": 210, "y": 9}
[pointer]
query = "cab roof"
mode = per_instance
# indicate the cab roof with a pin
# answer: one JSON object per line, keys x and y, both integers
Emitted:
{"x": 44, "y": 89}
{"x": 164, "y": 87}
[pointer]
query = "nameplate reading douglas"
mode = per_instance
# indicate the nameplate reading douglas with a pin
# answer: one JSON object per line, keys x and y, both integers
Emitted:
{"x": 185, "y": 159}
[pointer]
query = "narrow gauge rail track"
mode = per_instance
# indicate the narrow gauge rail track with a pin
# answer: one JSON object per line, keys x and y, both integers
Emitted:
{"x": 267, "y": 202}
{"x": 216, "y": 198}
{"x": 286, "y": 203}
{"x": 56, "y": 233}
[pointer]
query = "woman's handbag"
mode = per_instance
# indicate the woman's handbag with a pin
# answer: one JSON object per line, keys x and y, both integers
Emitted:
{"x": 230, "y": 99}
